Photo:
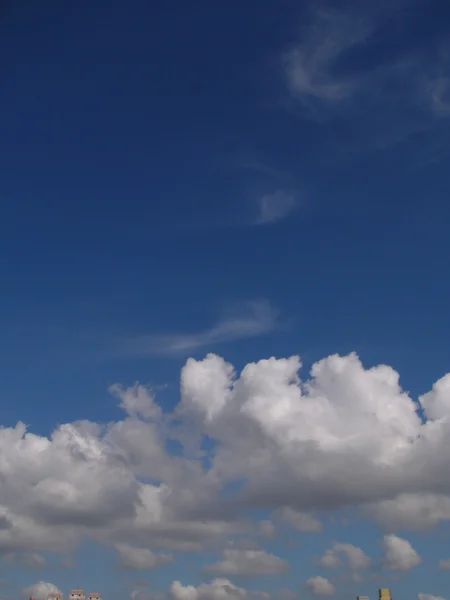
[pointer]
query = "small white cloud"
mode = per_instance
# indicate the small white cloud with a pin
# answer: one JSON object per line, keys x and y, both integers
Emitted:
{"x": 141, "y": 558}
{"x": 40, "y": 590}
{"x": 301, "y": 521}
{"x": 267, "y": 528}
{"x": 444, "y": 564}
{"x": 275, "y": 207}
{"x": 137, "y": 401}
{"x": 248, "y": 562}
{"x": 399, "y": 555}
{"x": 355, "y": 557}
{"x": 330, "y": 560}
{"x": 218, "y": 589}
{"x": 414, "y": 511}
{"x": 320, "y": 586}
{"x": 422, "y": 596}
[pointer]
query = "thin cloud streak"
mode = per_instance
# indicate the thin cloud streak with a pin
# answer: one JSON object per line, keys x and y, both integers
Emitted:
{"x": 254, "y": 319}
{"x": 276, "y": 207}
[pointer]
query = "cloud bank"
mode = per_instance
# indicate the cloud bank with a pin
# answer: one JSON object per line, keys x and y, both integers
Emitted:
{"x": 346, "y": 436}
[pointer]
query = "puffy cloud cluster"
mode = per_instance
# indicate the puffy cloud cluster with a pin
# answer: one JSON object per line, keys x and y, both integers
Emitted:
{"x": 320, "y": 586}
{"x": 399, "y": 554}
{"x": 141, "y": 558}
{"x": 218, "y": 589}
{"x": 444, "y": 564}
{"x": 355, "y": 557}
{"x": 248, "y": 562}
{"x": 346, "y": 436}
{"x": 40, "y": 590}
{"x": 298, "y": 520}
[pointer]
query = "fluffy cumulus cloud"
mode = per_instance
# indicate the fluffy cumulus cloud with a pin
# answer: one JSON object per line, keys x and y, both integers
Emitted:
{"x": 320, "y": 586}
{"x": 355, "y": 558}
{"x": 399, "y": 555}
{"x": 218, "y": 589}
{"x": 300, "y": 521}
{"x": 444, "y": 564}
{"x": 411, "y": 511}
{"x": 141, "y": 558}
{"x": 346, "y": 436}
{"x": 248, "y": 562}
{"x": 40, "y": 590}
{"x": 267, "y": 528}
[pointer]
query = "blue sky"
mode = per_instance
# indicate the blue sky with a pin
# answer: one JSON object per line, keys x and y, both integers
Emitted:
{"x": 252, "y": 181}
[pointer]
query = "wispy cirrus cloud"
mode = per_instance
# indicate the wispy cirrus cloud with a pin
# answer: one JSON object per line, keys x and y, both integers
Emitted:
{"x": 249, "y": 320}
{"x": 338, "y": 67}
{"x": 311, "y": 65}
{"x": 276, "y": 207}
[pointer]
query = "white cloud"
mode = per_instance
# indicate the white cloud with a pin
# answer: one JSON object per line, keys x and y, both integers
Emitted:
{"x": 422, "y": 596}
{"x": 356, "y": 559}
{"x": 330, "y": 559}
{"x": 40, "y": 590}
{"x": 248, "y": 562}
{"x": 298, "y": 520}
{"x": 218, "y": 589}
{"x": 311, "y": 66}
{"x": 248, "y": 320}
{"x": 275, "y": 207}
{"x": 399, "y": 555}
{"x": 346, "y": 436}
{"x": 320, "y": 586}
{"x": 137, "y": 401}
{"x": 141, "y": 558}
{"x": 322, "y": 75}
{"x": 444, "y": 564}
{"x": 411, "y": 511}
{"x": 267, "y": 528}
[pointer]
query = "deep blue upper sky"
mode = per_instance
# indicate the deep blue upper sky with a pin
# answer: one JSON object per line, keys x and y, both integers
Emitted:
{"x": 135, "y": 143}
{"x": 138, "y": 142}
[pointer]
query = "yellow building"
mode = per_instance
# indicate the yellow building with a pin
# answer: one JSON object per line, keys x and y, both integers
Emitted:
{"x": 384, "y": 594}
